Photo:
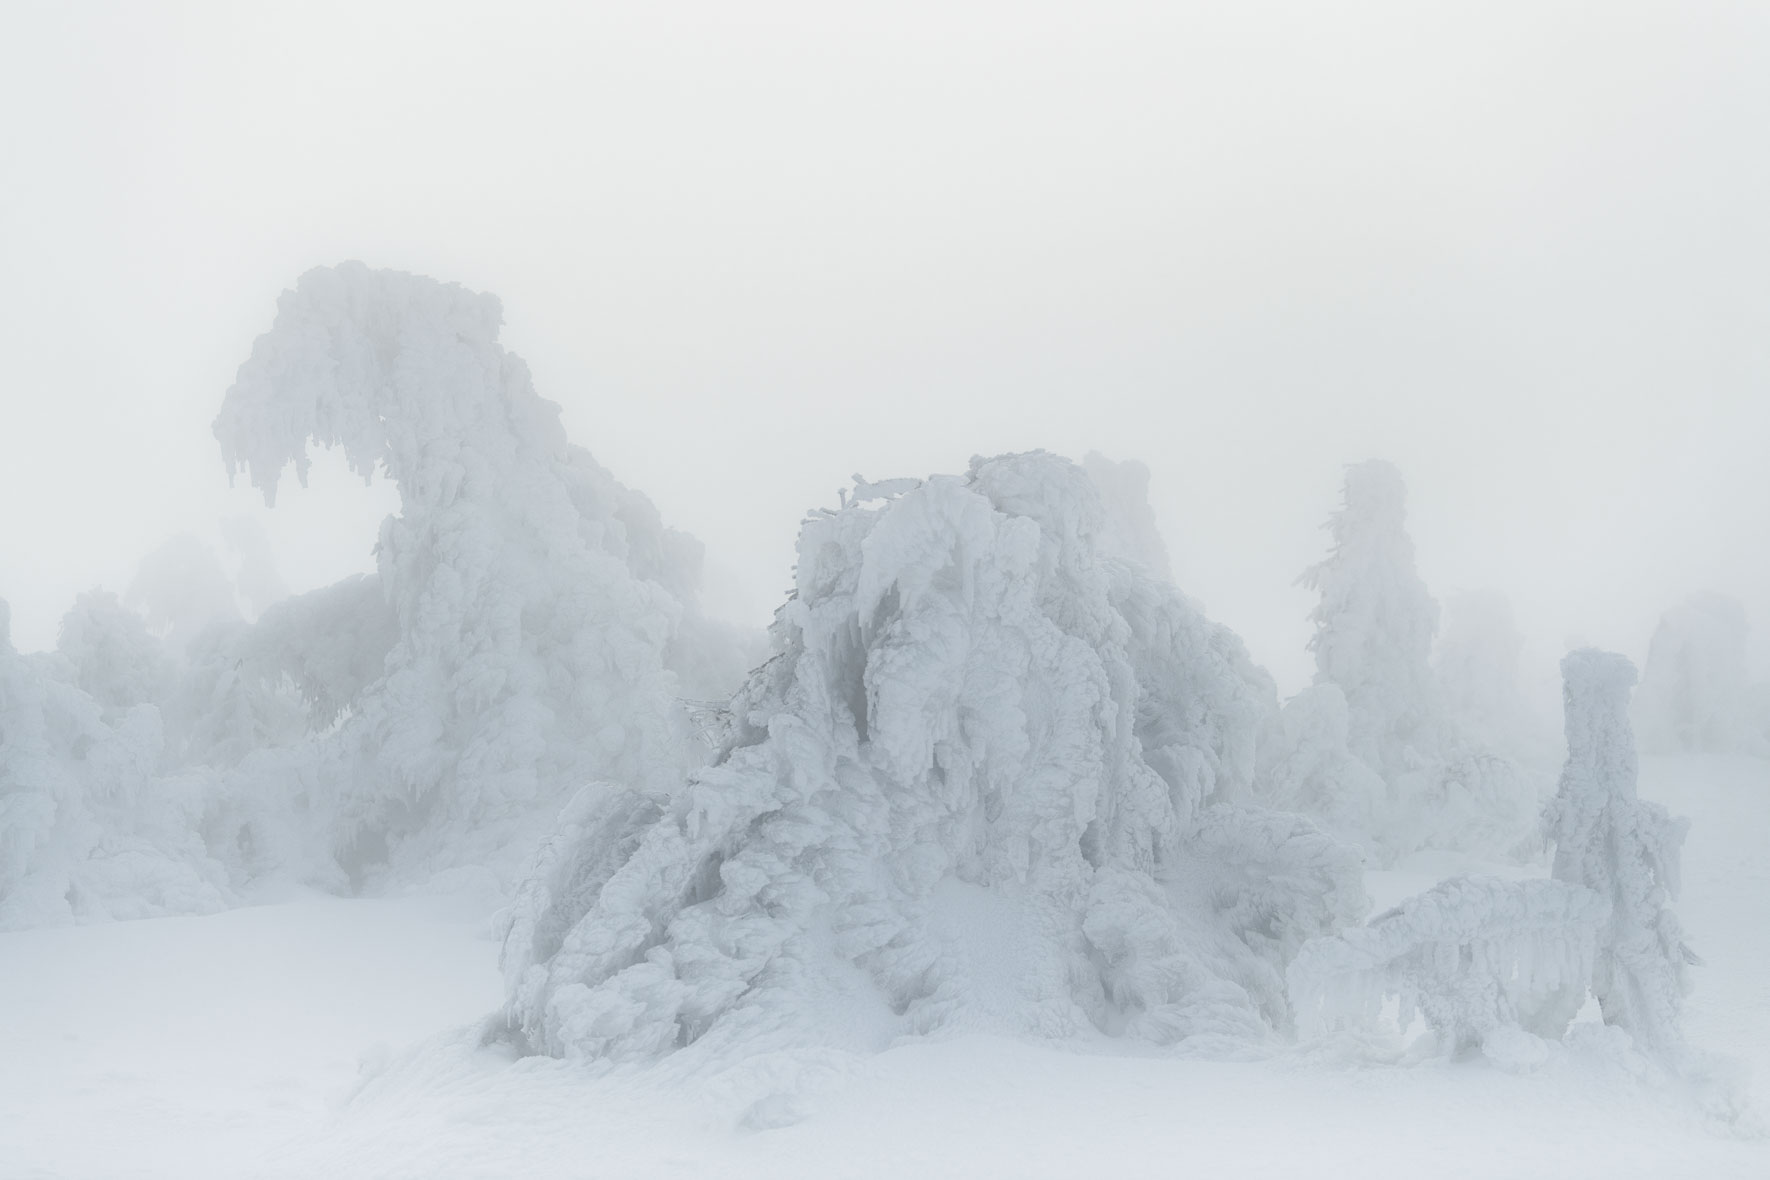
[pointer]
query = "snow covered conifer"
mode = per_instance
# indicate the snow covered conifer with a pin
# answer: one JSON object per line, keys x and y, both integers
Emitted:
{"x": 1375, "y": 621}
{"x": 1694, "y": 695}
{"x": 1374, "y": 626}
{"x": 88, "y": 826}
{"x": 182, "y": 590}
{"x": 1624, "y": 848}
{"x": 543, "y": 619}
{"x": 1477, "y": 666}
{"x": 112, "y": 656}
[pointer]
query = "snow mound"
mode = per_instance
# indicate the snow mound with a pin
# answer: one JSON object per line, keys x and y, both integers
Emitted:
{"x": 532, "y": 623}
{"x": 994, "y": 777}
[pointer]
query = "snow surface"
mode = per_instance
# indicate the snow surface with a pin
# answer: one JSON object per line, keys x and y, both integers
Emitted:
{"x": 310, "y": 1037}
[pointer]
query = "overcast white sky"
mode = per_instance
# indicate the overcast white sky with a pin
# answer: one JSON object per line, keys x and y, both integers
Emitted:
{"x": 1520, "y": 249}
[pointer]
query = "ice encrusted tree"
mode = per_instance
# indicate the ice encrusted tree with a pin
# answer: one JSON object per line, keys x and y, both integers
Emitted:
{"x": 112, "y": 657}
{"x": 1374, "y": 625}
{"x": 1477, "y": 668}
{"x": 89, "y": 825}
{"x": 1624, "y": 848}
{"x": 182, "y": 591}
{"x": 1694, "y": 694}
{"x": 543, "y": 620}
{"x": 1375, "y": 621}
{"x": 993, "y": 777}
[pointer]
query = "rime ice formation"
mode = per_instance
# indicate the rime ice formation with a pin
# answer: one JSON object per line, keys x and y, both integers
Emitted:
{"x": 1374, "y": 625}
{"x": 88, "y": 825}
{"x": 1624, "y": 848}
{"x": 538, "y": 618}
{"x": 993, "y": 777}
{"x": 1480, "y": 959}
{"x": 1694, "y": 695}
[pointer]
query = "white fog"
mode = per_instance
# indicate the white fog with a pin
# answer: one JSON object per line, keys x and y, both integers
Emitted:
{"x": 966, "y": 589}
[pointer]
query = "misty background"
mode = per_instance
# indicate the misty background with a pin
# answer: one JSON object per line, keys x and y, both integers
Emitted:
{"x": 1518, "y": 249}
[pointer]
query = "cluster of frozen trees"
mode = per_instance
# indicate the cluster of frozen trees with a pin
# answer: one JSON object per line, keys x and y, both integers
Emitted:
{"x": 531, "y": 626}
{"x": 1502, "y": 965}
{"x": 989, "y": 770}
{"x": 1387, "y": 751}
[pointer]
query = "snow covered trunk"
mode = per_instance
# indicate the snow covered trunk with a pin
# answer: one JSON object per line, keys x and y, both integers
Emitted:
{"x": 988, "y": 780}
{"x": 1477, "y": 957}
{"x": 1624, "y": 848}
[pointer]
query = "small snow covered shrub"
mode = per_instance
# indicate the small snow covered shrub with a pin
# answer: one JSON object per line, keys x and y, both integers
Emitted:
{"x": 1624, "y": 848}
{"x": 993, "y": 777}
{"x": 1475, "y": 957}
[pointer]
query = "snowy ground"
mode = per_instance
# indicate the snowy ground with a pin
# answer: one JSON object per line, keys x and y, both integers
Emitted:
{"x": 311, "y": 1038}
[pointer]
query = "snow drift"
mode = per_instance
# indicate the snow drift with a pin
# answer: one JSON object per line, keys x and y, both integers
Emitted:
{"x": 994, "y": 776}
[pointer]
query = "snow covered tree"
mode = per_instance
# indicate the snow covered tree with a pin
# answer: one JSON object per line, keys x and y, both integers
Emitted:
{"x": 1374, "y": 626}
{"x": 994, "y": 776}
{"x": 1477, "y": 669}
{"x": 541, "y": 615}
{"x": 1375, "y": 621}
{"x": 88, "y": 826}
{"x": 111, "y": 655}
{"x": 1124, "y": 493}
{"x": 259, "y": 583}
{"x": 182, "y": 590}
{"x": 1313, "y": 770}
{"x": 1694, "y": 695}
{"x": 1624, "y": 848}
